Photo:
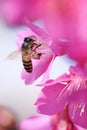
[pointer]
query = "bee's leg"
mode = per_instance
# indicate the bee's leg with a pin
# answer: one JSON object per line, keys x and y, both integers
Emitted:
{"x": 37, "y": 56}
{"x": 36, "y": 46}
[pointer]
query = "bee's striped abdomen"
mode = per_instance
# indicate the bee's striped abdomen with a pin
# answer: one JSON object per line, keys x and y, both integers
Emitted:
{"x": 27, "y": 65}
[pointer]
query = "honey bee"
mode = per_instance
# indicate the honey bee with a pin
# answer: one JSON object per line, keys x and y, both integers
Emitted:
{"x": 28, "y": 52}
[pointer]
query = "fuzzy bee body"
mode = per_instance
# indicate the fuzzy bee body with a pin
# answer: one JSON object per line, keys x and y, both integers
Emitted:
{"x": 29, "y": 51}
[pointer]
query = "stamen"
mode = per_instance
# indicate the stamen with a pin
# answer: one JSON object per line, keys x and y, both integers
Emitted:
{"x": 78, "y": 106}
{"x": 74, "y": 109}
{"x": 82, "y": 110}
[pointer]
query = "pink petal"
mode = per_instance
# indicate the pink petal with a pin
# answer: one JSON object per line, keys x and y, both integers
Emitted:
{"x": 39, "y": 67}
{"x": 80, "y": 70}
{"x": 79, "y": 54}
{"x": 39, "y": 31}
{"x": 47, "y": 102}
{"x": 46, "y": 74}
{"x": 59, "y": 46}
{"x": 36, "y": 123}
{"x": 63, "y": 78}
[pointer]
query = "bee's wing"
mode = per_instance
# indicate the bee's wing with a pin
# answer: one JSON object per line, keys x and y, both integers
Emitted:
{"x": 12, "y": 56}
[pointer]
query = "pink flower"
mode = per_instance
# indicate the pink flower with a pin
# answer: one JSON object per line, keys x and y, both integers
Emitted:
{"x": 66, "y": 21}
{"x": 44, "y": 63}
{"x": 13, "y": 11}
{"x": 43, "y": 122}
{"x": 67, "y": 90}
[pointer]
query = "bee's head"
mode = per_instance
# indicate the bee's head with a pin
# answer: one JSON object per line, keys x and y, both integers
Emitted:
{"x": 28, "y": 42}
{"x": 28, "y": 39}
